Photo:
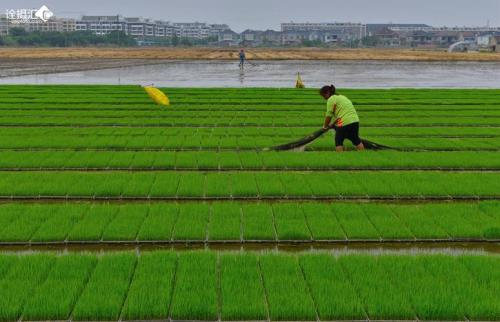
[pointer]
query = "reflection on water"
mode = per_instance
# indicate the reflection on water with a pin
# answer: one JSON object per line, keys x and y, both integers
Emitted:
{"x": 354, "y": 74}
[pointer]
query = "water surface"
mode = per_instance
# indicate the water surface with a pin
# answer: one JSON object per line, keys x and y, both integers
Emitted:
{"x": 353, "y": 74}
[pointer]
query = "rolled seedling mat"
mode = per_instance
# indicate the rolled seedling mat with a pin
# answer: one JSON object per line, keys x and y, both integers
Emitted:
{"x": 311, "y": 137}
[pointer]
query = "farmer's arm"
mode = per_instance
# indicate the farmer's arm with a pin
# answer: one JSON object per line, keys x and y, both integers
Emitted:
{"x": 329, "y": 116}
{"x": 328, "y": 120}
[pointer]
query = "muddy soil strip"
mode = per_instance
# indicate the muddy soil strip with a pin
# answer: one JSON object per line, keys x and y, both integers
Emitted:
{"x": 204, "y": 53}
{"x": 249, "y": 169}
{"x": 12, "y": 67}
{"x": 441, "y": 246}
{"x": 250, "y": 125}
{"x": 252, "y": 198}
{"x": 263, "y": 149}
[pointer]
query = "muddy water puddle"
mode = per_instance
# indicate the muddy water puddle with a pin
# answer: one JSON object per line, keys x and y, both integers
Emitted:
{"x": 373, "y": 246}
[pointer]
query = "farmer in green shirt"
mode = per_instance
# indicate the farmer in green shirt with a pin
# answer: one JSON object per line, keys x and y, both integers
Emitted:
{"x": 345, "y": 119}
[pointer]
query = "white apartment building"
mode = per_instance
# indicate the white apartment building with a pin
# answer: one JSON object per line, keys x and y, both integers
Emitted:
{"x": 327, "y": 32}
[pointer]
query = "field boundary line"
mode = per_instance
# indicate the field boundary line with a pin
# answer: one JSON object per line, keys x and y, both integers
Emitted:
{"x": 187, "y": 125}
{"x": 252, "y": 198}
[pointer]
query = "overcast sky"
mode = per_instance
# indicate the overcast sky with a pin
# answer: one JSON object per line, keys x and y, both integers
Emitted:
{"x": 264, "y": 14}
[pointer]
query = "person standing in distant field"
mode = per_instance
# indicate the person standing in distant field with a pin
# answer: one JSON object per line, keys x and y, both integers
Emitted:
{"x": 242, "y": 58}
{"x": 345, "y": 118}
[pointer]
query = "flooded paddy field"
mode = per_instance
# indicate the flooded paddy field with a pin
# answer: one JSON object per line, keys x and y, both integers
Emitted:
{"x": 264, "y": 73}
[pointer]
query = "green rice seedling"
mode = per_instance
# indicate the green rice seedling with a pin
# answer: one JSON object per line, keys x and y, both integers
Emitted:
{"x": 149, "y": 295}
{"x": 165, "y": 184}
{"x": 164, "y": 160}
{"x": 409, "y": 279}
{"x": 121, "y": 159}
{"x": 420, "y": 222}
{"x": 27, "y": 221}
{"x": 142, "y": 160}
{"x": 195, "y": 292}
{"x": 290, "y": 222}
{"x": 244, "y": 185}
{"x": 241, "y": 290}
{"x": 251, "y": 160}
{"x": 160, "y": 222}
{"x": 23, "y": 278}
{"x": 387, "y": 224}
{"x": 218, "y": 184}
{"x": 322, "y": 186}
{"x": 229, "y": 160}
{"x": 295, "y": 185}
{"x": 126, "y": 223}
{"x": 192, "y": 222}
{"x": 96, "y": 219}
{"x": 106, "y": 290}
{"x": 354, "y": 221}
{"x": 207, "y": 160}
{"x": 60, "y": 223}
{"x": 139, "y": 184}
{"x": 322, "y": 222}
{"x": 54, "y": 299}
{"x": 453, "y": 220}
{"x": 258, "y": 222}
{"x": 192, "y": 185}
{"x": 78, "y": 184}
{"x": 9, "y": 213}
{"x": 287, "y": 292}
{"x": 485, "y": 273}
{"x": 269, "y": 184}
{"x": 489, "y": 226}
{"x": 450, "y": 286}
{"x": 273, "y": 160}
{"x": 335, "y": 297}
{"x": 225, "y": 221}
{"x": 79, "y": 159}
{"x": 110, "y": 184}
{"x": 6, "y": 263}
{"x": 492, "y": 209}
{"x": 186, "y": 160}
{"x": 376, "y": 288}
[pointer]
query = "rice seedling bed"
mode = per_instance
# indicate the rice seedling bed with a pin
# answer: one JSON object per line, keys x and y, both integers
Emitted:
{"x": 246, "y": 222}
{"x": 248, "y": 160}
{"x": 249, "y": 286}
{"x": 180, "y": 180}
{"x": 271, "y": 184}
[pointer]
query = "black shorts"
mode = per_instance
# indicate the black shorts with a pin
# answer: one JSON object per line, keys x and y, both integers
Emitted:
{"x": 350, "y": 132}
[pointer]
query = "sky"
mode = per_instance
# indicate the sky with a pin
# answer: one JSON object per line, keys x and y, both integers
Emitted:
{"x": 268, "y": 14}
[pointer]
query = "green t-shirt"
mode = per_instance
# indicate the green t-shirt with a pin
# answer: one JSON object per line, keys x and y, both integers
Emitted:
{"x": 344, "y": 113}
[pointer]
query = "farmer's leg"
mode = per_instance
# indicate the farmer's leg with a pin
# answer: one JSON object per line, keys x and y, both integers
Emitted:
{"x": 339, "y": 140}
{"x": 353, "y": 135}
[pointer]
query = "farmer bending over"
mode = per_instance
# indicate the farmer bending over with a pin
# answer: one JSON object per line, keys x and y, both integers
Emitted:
{"x": 346, "y": 121}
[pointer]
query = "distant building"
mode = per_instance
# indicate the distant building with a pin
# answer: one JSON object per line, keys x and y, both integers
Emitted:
{"x": 192, "y": 30}
{"x": 387, "y": 38}
{"x": 373, "y": 28}
{"x": 228, "y": 38}
{"x": 4, "y": 25}
{"x": 101, "y": 25}
{"x": 54, "y": 24}
{"x": 252, "y": 37}
{"x": 325, "y": 32}
{"x": 216, "y": 29}
{"x": 272, "y": 37}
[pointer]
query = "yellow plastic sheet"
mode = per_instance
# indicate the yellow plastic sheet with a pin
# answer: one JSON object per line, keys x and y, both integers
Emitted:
{"x": 156, "y": 95}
